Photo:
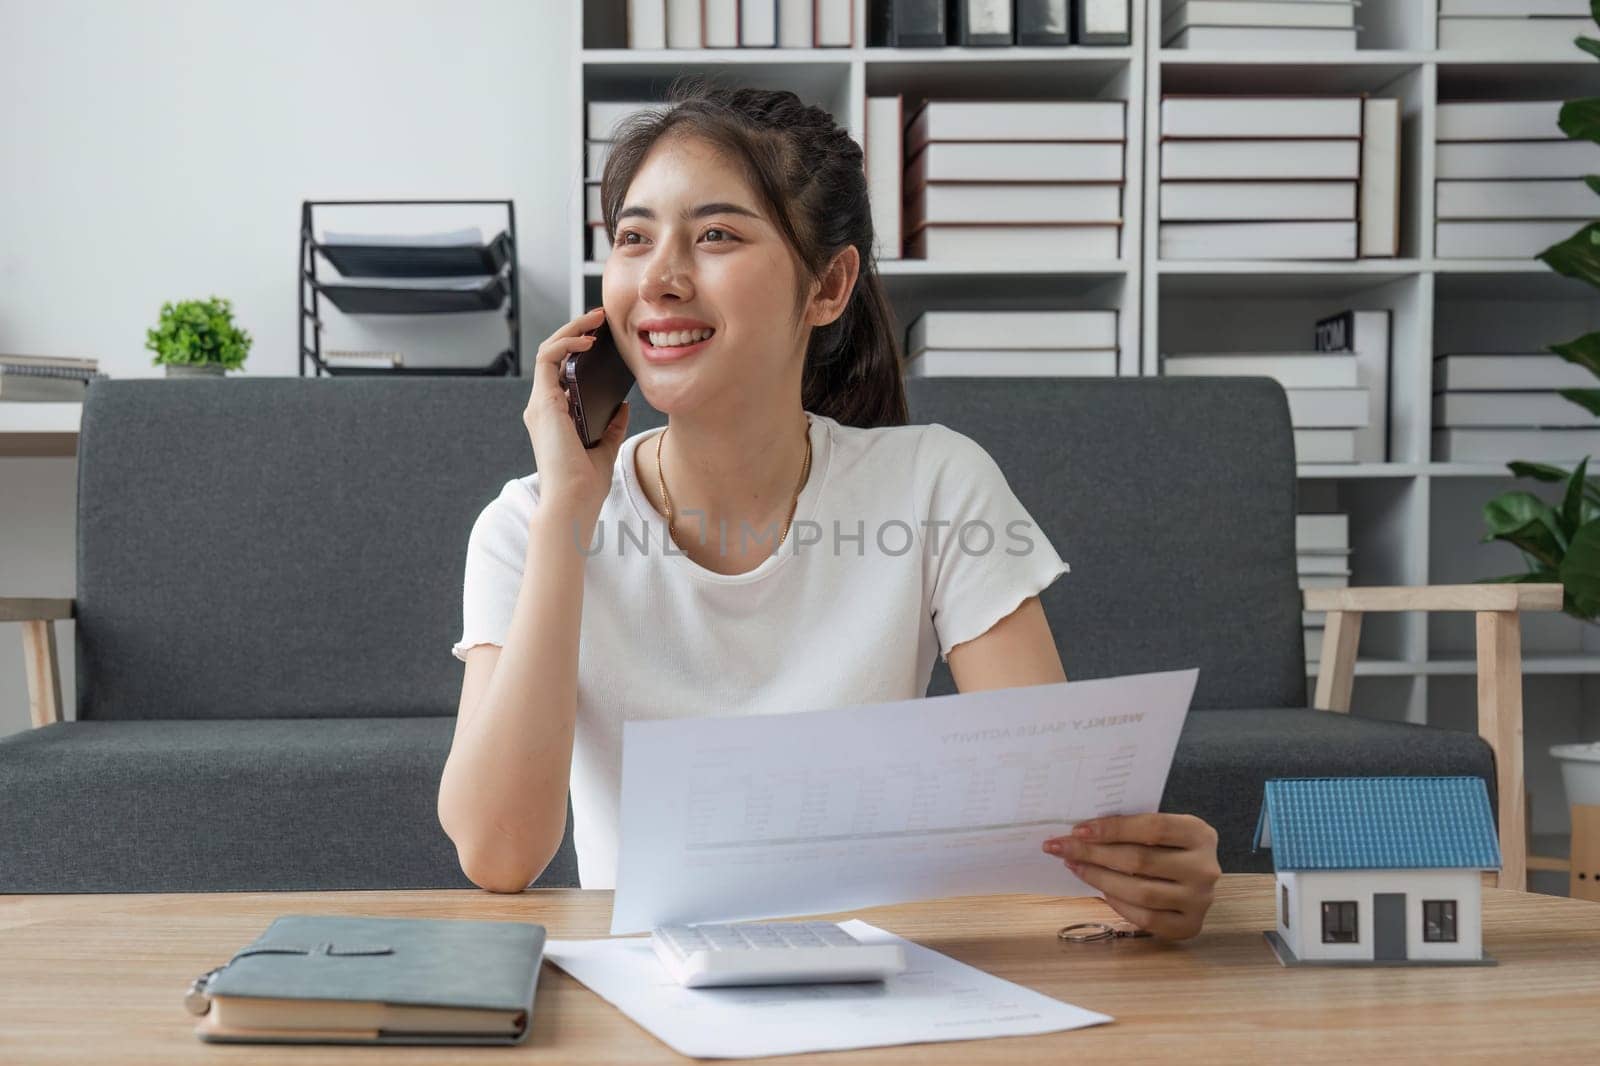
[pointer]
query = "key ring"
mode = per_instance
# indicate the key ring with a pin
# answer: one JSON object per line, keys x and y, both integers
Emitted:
{"x": 1092, "y": 932}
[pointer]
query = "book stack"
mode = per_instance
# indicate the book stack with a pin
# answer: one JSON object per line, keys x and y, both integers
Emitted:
{"x": 1506, "y": 26}
{"x": 1038, "y": 181}
{"x": 1510, "y": 183}
{"x": 46, "y": 379}
{"x": 1279, "y": 177}
{"x": 1496, "y": 408}
{"x": 979, "y": 23}
{"x": 1275, "y": 25}
{"x": 604, "y": 116}
{"x": 741, "y": 23}
{"x": 1012, "y": 344}
{"x": 1322, "y": 557}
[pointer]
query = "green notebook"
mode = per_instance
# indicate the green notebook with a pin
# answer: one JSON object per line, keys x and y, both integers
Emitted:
{"x": 313, "y": 979}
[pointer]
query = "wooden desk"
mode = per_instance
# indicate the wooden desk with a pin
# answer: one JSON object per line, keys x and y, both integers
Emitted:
{"x": 1221, "y": 997}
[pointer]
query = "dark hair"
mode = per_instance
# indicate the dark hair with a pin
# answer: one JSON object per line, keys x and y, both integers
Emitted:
{"x": 808, "y": 173}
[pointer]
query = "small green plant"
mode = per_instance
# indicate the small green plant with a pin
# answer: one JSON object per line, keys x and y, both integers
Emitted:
{"x": 1561, "y": 544}
{"x": 198, "y": 331}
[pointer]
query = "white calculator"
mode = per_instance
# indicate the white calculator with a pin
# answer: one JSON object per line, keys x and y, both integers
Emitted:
{"x": 775, "y": 953}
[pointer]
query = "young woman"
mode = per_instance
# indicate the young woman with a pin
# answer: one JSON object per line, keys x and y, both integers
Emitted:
{"x": 786, "y": 543}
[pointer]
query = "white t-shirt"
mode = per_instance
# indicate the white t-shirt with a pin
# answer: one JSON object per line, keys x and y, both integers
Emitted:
{"x": 906, "y": 541}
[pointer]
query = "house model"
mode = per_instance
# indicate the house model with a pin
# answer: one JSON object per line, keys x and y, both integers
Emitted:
{"x": 1376, "y": 871}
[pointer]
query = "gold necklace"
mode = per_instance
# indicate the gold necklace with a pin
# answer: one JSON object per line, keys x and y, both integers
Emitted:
{"x": 794, "y": 503}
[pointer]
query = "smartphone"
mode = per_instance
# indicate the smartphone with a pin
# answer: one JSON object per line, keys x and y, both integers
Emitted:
{"x": 596, "y": 382}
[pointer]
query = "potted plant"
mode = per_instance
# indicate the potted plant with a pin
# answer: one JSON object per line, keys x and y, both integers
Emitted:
{"x": 197, "y": 337}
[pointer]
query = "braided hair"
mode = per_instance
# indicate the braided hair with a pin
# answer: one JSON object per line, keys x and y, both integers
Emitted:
{"x": 809, "y": 173}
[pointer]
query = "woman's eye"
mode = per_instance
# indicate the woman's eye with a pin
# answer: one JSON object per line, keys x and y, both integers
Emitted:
{"x": 623, "y": 237}
{"x": 713, "y": 229}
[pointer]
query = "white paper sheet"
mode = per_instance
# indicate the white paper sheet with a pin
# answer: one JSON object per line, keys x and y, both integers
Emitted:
{"x": 729, "y": 819}
{"x": 936, "y": 999}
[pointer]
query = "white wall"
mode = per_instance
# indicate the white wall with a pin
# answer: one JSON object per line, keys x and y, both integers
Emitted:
{"x": 160, "y": 150}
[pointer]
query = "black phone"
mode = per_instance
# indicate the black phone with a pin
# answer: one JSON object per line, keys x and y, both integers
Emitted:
{"x": 596, "y": 382}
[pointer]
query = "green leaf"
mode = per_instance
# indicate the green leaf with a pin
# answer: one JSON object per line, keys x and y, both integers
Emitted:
{"x": 1577, "y": 256}
{"x": 1588, "y": 44}
{"x": 1593, "y": 181}
{"x": 1580, "y": 119}
{"x": 1572, "y": 505}
{"x": 1538, "y": 471}
{"x": 1588, "y": 399}
{"x": 1580, "y": 570}
{"x": 1524, "y": 520}
{"x": 1581, "y": 351}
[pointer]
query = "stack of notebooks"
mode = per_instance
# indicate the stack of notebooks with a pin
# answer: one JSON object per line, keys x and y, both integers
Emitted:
{"x": 1036, "y": 181}
{"x": 1496, "y": 408}
{"x": 1277, "y": 25}
{"x": 46, "y": 379}
{"x": 1514, "y": 25}
{"x": 1510, "y": 182}
{"x": 1012, "y": 344}
{"x": 1337, "y": 392}
{"x": 741, "y": 23}
{"x": 1279, "y": 177}
{"x": 1322, "y": 555}
{"x": 604, "y": 116}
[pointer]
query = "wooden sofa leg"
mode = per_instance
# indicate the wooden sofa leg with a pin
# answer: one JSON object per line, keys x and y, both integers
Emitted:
{"x": 1500, "y": 723}
{"x": 44, "y": 678}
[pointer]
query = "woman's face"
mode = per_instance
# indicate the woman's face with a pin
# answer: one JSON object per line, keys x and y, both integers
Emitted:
{"x": 695, "y": 251}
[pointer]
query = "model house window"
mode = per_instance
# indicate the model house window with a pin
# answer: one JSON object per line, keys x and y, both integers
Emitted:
{"x": 1439, "y": 921}
{"x": 1339, "y": 922}
{"x": 1286, "y": 906}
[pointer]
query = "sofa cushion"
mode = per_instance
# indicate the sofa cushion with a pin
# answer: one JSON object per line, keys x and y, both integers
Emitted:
{"x": 232, "y": 805}
{"x": 1225, "y": 757}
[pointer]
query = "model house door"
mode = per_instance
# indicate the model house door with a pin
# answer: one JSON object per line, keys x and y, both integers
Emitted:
{"x": 1389, "y": 925}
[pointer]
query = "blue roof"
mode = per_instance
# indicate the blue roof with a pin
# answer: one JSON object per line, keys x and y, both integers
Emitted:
{"x": 1373, "y": 823}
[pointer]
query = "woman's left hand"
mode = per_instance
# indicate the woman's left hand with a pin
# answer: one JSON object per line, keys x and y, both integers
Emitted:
{"x": 1156, "y": 870}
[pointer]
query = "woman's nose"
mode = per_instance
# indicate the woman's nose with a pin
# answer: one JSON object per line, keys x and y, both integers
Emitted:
{"x": 665, "y": 276}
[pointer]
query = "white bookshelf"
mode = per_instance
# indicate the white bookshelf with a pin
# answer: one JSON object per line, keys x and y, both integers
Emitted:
{"x": 1413, "y": 521}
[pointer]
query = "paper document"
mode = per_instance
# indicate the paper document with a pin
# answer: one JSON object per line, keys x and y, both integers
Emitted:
{"x": 728, "y": 819}
{"x": 937, "y": 998}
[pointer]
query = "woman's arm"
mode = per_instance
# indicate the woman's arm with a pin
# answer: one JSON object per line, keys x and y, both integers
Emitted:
{"x": 1156, "y": 870}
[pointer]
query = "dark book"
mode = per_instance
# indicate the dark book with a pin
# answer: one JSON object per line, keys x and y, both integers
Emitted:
{"x": 911, "y": 23}
{"x": 1044, "y": 22}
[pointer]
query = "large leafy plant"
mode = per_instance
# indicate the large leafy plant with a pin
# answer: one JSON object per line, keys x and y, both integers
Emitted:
{"x": 198, "y": 331}
{"x": 1561, "y": 543}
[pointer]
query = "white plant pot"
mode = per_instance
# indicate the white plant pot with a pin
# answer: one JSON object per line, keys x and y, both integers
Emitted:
{"x": 1580, "y": 772}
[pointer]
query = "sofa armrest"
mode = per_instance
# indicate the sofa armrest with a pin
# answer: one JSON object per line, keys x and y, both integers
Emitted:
{"x": 1499, "y": 609}
{"x": 39, "y": 651}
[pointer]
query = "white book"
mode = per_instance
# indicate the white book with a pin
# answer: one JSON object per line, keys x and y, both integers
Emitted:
{"x": 1325, "y": 445}
{"x": 1256, "y": 13}
{"x": 1513, "y": 34}
{"x": 1454, "y": 239}
{"x": 1314, "y": 619}
{"x": 1467, "y": 373}
{"x": 1510, "y": 410}
{"x": 758, "y": 23}
{"x": 606, "y": 115}
{"x": 1322, "y": 532}
{"x": 1561, "y": 198}
{"x": 1328, "y": 408}
{"x": 1313, "y": 639}
{"x": 1518, "y": 159}
{"x": 1380, "y": 177}
{"x": 595, "y": 159}
{"x": 834, "y": 23}
{"x": 599, "y": 246}
{"x": 1504, "y": 445}
{"x": 1260, "y": 38}
{"x": 1247, "y": 200}
{"x": 1499, "y": 120}
{"x": 938, "y": 363}
{"x": 1017, "y": 120}
{"x": 1365, "y": 334}
{"x": 1046, "y": 330}
{"x": 1571, "y": 8}
{"x": 1016, "y": 161}
{"x": 591, "y": 203}
{"x": 1322, "y": 564}
{"x": 683, "y": 24}
{"x": 719, "y": 23}
{"x": 1292, "y": 370}
{"x": 1209, "y": 117}
{"x": 1257, "y": 240}
{"x": 1039, "y": 245}
{"x": 884, "y": 166}
{"x": 647, "y": 23}
{"x": 1324, "y": 581}
{"x": 794, "y": 24}
{"x": 1330, "y": 159}
{"x": 991, "y": 203}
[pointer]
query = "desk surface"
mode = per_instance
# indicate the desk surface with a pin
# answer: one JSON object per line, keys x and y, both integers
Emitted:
{"x": 1220, "y": 997}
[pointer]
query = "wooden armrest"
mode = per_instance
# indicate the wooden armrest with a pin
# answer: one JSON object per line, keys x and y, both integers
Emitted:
{"x": 1437, "y": 598}
{"x": 1499, "y": 609}
{"x": 39, "y": 651}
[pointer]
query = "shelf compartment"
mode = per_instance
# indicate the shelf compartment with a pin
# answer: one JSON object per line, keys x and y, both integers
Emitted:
{"x": 383, "y": 300}
{"x": 501, "y": 366}
{"x": 417, "y": 260}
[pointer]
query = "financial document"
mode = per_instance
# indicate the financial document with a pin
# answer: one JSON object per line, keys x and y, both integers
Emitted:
{"x": 937, "y": 998}
{"x": 766, "y": 816}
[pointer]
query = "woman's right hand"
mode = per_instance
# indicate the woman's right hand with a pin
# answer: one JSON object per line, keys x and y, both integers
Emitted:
{"x": 569, "y": 473}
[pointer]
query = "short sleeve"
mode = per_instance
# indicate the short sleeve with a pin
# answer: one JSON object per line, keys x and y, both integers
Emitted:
{"x": 492, "y": 578}
{"x": 983, "y": 552}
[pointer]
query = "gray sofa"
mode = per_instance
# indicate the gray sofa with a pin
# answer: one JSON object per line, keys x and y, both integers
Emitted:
{"x": 269, "y": 581}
